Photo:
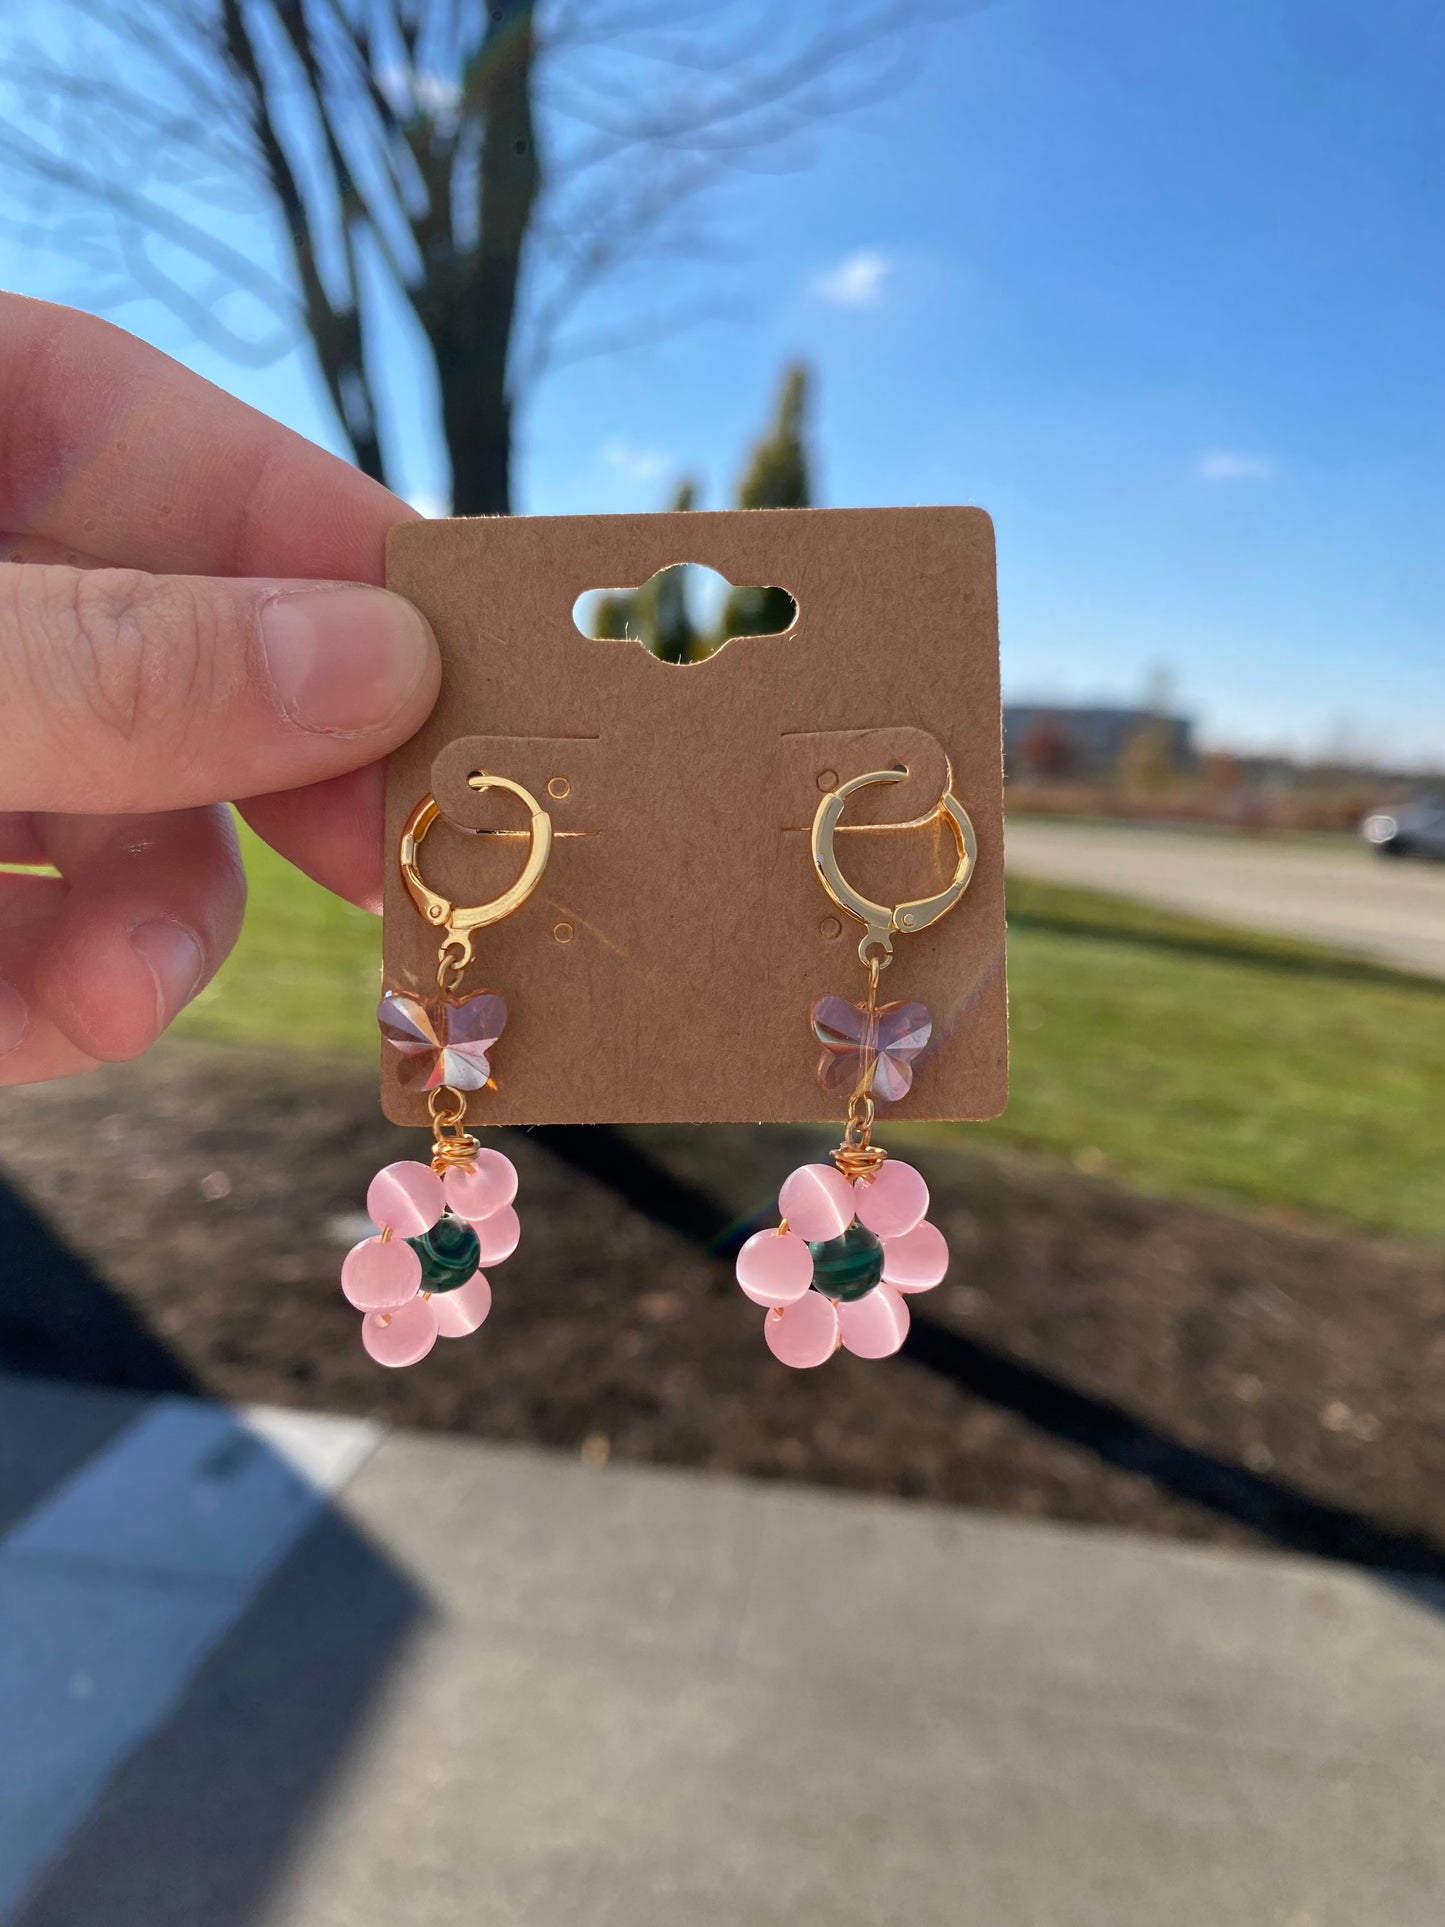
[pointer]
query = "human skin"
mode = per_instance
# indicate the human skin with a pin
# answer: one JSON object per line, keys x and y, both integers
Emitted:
{"x": 188, "y": 616}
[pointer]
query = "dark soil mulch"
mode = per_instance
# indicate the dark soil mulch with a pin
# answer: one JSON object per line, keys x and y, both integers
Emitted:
{"x": 1095, "y": 1356}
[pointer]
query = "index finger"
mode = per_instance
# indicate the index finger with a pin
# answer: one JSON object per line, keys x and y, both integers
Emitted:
{"x": 111, "y": 447}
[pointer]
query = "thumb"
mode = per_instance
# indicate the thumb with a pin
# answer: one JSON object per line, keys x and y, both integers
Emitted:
{"x": 127, "y": 692}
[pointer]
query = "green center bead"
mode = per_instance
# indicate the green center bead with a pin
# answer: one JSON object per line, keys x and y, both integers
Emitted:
{"x": 849, "y": 1266}
{"x": 449, "y": 1253}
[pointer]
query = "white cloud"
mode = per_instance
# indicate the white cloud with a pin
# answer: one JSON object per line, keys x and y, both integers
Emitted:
{"x": 638, "y": 464}
{"x": 856, "y": 281}
{"x": 1233, "y": 465}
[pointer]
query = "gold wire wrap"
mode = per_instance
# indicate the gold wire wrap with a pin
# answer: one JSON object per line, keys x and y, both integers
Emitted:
{"x": 858, "y": 1156}
{"x": 859, "y": 1160}
{"x": 450, "y": 1143}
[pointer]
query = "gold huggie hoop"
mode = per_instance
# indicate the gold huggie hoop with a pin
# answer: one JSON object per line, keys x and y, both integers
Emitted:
{"x": 462, "y": 921}
{"x": 878, "y": 920}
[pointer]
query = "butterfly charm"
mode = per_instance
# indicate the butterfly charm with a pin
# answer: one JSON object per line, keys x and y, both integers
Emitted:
{"x": 869, "y": 1054}
{"x": 442, "y": 1042}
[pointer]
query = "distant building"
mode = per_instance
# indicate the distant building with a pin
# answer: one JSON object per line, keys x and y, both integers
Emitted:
{"x": 1060, "y": 741}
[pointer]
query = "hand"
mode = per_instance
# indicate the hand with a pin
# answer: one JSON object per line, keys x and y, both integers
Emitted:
{"x": 172, "y": 635}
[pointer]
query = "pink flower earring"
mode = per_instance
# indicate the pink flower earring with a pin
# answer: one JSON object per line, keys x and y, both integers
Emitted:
{"x": 420, "y": 1277}
{"x": 855, "y": 1239}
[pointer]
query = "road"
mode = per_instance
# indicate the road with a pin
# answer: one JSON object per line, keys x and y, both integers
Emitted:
{"x": 1331, "y": 892}
{"x": 272, "y": 1669}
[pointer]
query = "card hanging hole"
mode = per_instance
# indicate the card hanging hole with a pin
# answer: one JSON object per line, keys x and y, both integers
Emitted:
{"x": 563, "y": 932}
{"x": 558, "y": 788}
{"x": 685, "y": 612}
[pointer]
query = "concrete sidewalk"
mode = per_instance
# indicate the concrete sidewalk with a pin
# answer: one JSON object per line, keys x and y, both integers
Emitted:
{"x": 478, "y": 1687}
{"x": 1332, "y": 892}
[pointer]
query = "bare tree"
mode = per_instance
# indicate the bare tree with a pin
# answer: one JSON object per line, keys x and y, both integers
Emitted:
{"x": 344, "y": 166}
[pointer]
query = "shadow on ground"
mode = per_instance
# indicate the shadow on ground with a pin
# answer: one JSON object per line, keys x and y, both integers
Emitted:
{"x": 1095, "y": 1356}
{"x": 195, "y": 1831}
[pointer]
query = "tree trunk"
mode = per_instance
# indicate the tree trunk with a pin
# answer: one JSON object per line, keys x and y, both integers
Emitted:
{"x": 470, "y": 317}
{"x": 477, "y": 421}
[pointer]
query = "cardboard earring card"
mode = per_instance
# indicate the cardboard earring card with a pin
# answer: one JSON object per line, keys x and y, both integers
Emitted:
{"x": 664, "y": 968}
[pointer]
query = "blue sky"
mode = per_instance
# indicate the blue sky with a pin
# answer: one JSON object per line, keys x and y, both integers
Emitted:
{"x": 1159, "y": 283}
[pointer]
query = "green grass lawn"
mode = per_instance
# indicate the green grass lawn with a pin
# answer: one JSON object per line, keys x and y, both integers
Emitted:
{"x": 1188, "y": 1058}
{"x": 306, "y": 973}
{"x": 1177, "y": 1056}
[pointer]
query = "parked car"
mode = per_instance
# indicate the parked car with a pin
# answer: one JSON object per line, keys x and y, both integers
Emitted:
{"x": 1415, "y": 829}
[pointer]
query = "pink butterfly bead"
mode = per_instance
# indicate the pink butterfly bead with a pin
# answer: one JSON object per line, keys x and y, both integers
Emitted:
{"x": 442, "y": 1042}
{"x": 867, "y": 1052}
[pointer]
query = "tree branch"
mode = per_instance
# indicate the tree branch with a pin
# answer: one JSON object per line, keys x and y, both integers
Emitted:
{"x": 40, "y": 164}
{"x": 395, "y": 139}
{"x": 334, "y": 327}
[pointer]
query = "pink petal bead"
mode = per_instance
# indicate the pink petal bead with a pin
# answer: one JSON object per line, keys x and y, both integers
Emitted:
{"x": 498, "y": 1234}
{"x": 402, "y": 1336}
{"x": 917, "y": 1260}
{"x": 475, "y": 1191}
{"x": 459, "y": 1313}
{"x": 892, "y": 1201}
{"x": 775, "y": 1268}
{"x": 805, "y": 1333}
{"x": 407, "y": 1196}
{"x": 380, "y": 1274}
{"x": 817, "y": 1201}
{"x": 875, "y": 1325}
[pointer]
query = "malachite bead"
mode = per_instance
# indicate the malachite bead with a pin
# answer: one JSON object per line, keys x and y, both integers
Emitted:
{"x": 849, "y": 1266}
{"x": 449, "y": 1254}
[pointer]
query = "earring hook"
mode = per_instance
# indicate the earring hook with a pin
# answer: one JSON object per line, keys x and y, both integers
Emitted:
{"x": 462, "y": 921}
{"x": 880, "y": 923}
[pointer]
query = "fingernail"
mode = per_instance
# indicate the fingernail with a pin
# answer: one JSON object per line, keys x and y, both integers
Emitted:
{"x": 14, "y": 1018}
{"x": 343, "y": 660}
{"x": 175, "y": 959}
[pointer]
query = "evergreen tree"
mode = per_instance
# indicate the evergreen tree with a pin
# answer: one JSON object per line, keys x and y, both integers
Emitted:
{"x": 669, "y": 630}
{"x": 777, "y": 472}
{"x": 776, "y": 478}
{"x": 657, "y": 614}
